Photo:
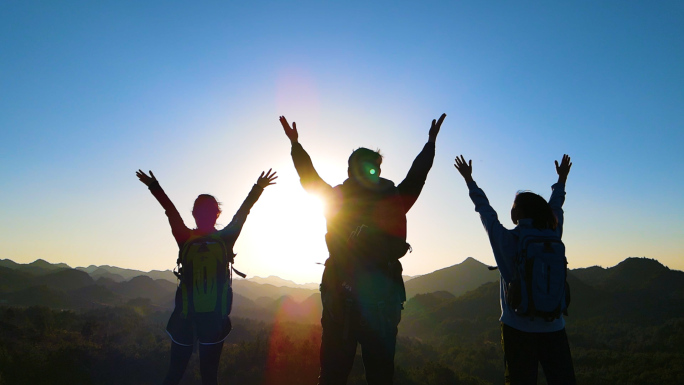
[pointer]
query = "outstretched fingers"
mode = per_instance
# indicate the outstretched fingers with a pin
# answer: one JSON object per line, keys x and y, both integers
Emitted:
{"x": 284, "y": 122}
{"x": 565, "y": 164}
{"x": 286, "y": 125}
{"x": 566, "y": 160}
{"x": 267, "y": 178}
{"x": 441, "y": 119}
{"x": 563, "y": 169}
{"x": 464, "y": 168}
{"x": 460, "y": 162}
{"x": 145, "y": 178}
{"x": 271, "y": 175}
{"x": 291, "y": 132}
{"x": 435, "y": 127}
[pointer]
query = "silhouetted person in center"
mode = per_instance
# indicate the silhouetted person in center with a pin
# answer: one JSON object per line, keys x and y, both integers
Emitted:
{"x": 533, "y": 291}
{"x": 204, "y": 295}
{"x": 362, "y": 289}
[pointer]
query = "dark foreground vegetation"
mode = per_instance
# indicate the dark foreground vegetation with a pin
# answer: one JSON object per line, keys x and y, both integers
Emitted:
{"x": 125, "y": 345}
{"x": 128, "y": 345}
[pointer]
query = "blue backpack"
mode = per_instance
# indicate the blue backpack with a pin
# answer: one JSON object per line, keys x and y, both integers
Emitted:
{"x": 539, "y": 287}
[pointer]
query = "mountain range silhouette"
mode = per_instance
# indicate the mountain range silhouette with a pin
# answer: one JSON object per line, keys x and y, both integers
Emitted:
{"x": 636, "y": 288}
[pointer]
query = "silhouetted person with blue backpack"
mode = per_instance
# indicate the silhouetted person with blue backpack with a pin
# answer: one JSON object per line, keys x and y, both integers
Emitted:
{"x": 362, "y": 289}
{"x": 204, "y": 295}
{"x": 533, "y": 288}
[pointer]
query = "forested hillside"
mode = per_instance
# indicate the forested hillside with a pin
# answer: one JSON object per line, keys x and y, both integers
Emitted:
{"x": 626, "y": 326}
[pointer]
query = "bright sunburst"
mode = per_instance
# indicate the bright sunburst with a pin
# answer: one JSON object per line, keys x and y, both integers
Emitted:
{"x": 285, "y": 235}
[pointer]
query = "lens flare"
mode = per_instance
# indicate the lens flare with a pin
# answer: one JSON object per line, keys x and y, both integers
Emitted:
{"x": 295, "y": 335}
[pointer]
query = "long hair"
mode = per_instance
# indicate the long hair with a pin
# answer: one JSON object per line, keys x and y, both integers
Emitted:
{"x": 533, "y": 206}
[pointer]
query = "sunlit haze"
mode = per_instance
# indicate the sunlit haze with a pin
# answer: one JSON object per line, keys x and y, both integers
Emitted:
{"x": 90, "y": 92}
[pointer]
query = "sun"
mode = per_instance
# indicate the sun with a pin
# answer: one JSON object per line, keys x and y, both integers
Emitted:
{"x": 285, "y": 235}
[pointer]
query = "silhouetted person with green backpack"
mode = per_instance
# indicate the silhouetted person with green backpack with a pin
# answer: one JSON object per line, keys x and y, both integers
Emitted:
{"x": 362, "y": 289}
{"x": 204, "y": 295}
{"x": 534, "y": 293}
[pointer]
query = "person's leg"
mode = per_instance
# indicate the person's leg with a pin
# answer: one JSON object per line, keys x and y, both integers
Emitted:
{"x": 210, "y": 355}
{"x": 378, "y": 346}
{"x": 180, "y": 356}
{"x": 337, "y": 351}
{"x": 378, "y": 357}
{"x": 520, "y": 356}
{"x": 555, "y": 358}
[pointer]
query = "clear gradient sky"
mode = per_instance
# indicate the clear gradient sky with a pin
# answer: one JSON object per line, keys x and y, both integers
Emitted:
{"x": 92, "y": 91}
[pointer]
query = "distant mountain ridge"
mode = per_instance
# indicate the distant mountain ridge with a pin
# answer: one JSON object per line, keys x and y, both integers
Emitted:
{"x": 39, "y": 266}
{"x": 456, "y": 279}
{"x": 656, "y": 289}
{"x": 280, "y": 282}
{"x": 254, "y": 290}
{"x": 113, "y": 271}
{"x": 59, "y": 286}
{"x": 633, "y": 274}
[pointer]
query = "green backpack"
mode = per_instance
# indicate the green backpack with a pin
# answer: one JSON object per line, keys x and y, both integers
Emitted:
{"x": 205, "y": 276}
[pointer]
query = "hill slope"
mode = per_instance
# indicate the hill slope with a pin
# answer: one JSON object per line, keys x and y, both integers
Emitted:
{"x": 457, "y": 279}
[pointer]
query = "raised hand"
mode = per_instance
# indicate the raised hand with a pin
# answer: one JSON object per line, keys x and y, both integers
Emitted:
{"x": 266, "y": 180}
{"x": 564, "y": 169}
{"x": 148, "y": 180}
{"x": 434, "y": 129}
{"x": 466, "y": 169}
{"x": 290, "y": 132}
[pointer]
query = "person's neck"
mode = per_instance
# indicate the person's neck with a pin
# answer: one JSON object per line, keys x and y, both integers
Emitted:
{"x": 206, "y": 229}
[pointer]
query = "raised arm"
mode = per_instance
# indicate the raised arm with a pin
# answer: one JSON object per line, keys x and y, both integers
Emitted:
{"x": 411, "y": 187}
{"x": 180, "y": 232}
{"x": 231, "y": 232}
{"x": 308, "y": 176}
{"x": 558, "y": 191}
{"x": 502, "y": 241}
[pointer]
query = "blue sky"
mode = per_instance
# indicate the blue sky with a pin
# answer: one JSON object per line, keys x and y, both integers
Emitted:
{"x": 92, "y": 91}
